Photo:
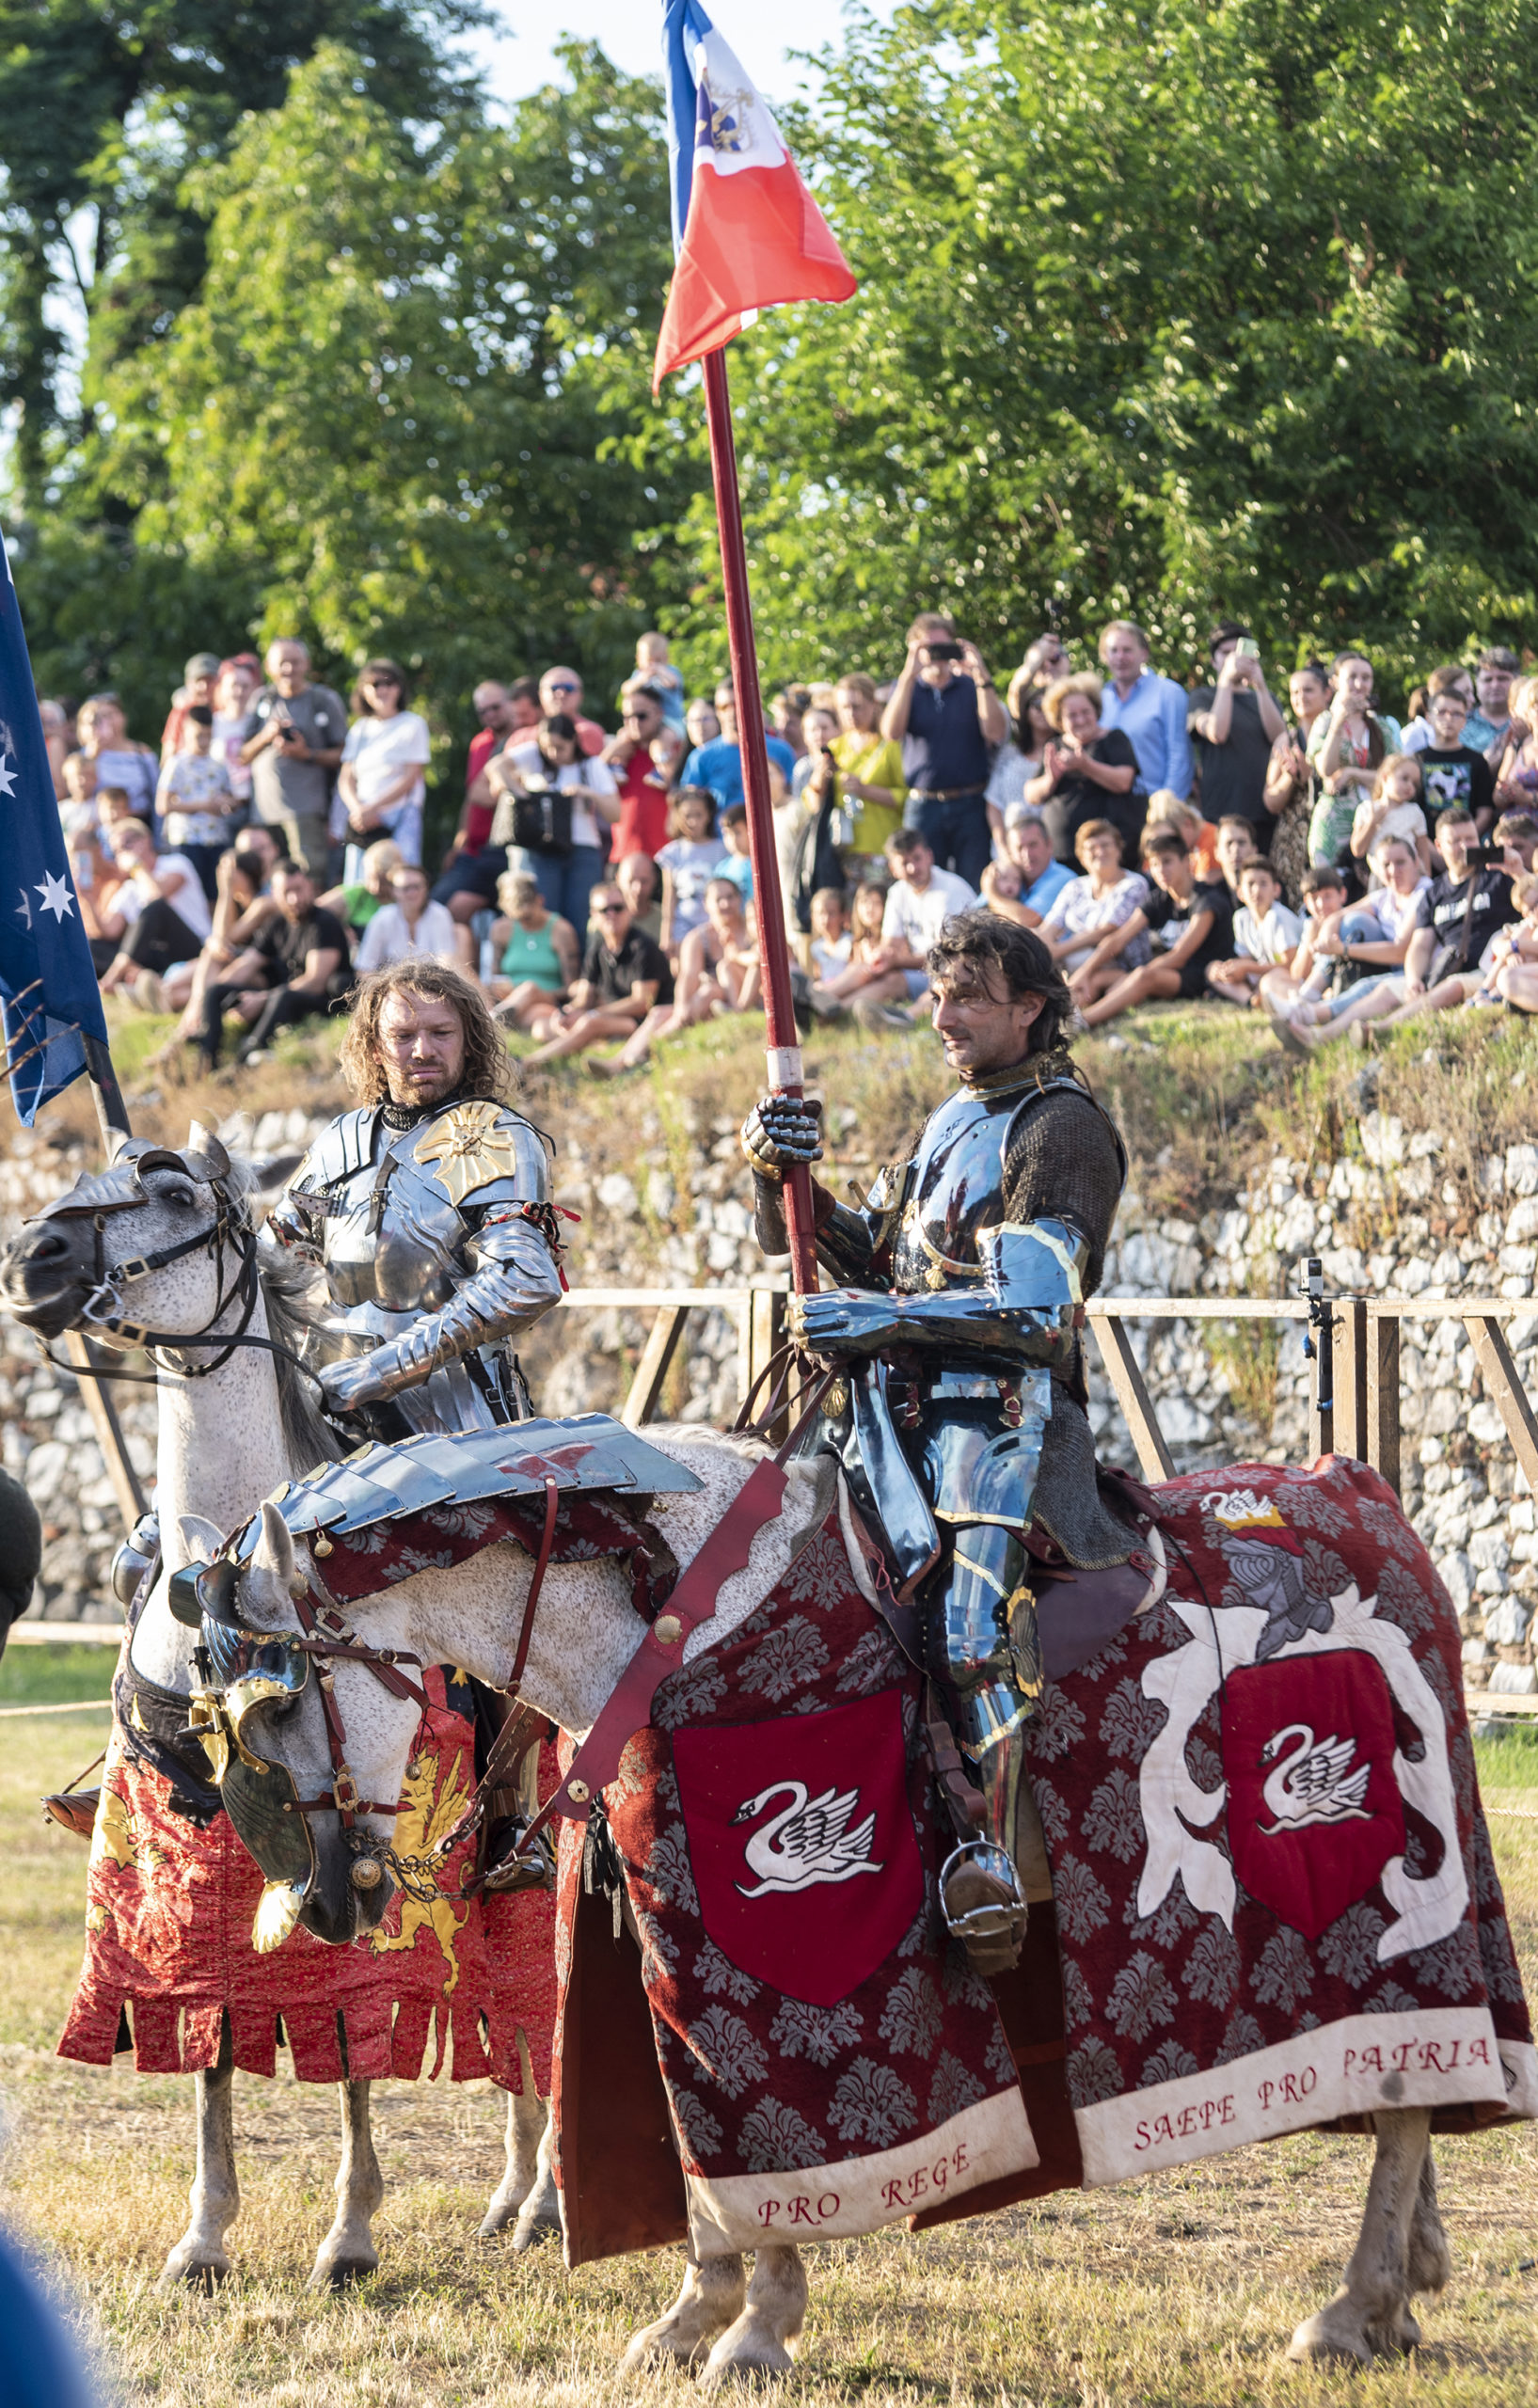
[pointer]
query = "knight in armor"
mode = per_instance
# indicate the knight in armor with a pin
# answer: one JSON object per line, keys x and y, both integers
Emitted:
{"x": 958, "y": 1408}
{"x": 427, "y": 1212}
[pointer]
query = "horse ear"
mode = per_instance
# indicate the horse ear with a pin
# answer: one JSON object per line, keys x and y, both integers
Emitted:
{"x": 275, "y": 1548}
{"x": 201, "y": 1538}
{"x": 202, "y": 1142}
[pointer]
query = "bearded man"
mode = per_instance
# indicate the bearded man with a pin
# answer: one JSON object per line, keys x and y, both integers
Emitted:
{"x": 959, "y": 1411}
{"x": 427, "y": 1211}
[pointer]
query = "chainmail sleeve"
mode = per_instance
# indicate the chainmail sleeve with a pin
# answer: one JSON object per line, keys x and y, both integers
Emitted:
{"x": 1064, "y": 1162}
{"x": 846, "y": 1243}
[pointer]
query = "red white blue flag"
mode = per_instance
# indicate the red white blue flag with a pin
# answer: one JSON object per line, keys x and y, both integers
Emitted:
{"x": 746, "y": 231}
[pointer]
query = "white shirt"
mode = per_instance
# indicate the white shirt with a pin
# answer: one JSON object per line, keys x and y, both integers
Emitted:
{"x": 379, "y": 750}
{"x": 388, "y": 939}
{"x": 917, "y": 918}
{"x": 1395, "y": 913}
{"x": 187, "y": 901}
{"x": 1276, "y": 938}
{"x": 597, "y": 776}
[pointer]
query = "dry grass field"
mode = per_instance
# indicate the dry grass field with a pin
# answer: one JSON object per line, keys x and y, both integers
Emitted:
{"x": 1181, "y": 2289}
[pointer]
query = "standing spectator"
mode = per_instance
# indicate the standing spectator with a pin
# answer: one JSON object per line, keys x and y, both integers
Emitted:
{"x": 692, "y": 857}
{"x": 195, "y": 693}
{"x": 381, "y": 790}
{"x": 118, "y": 759}
{"x": 561, "y": 695}
{"x": 195, "y": 799}
{"x": 474, "y": 864}
{"x": 1019, "y": 757}
{"x": 568, "y": 866}
{"x": 1290, "y": 779}
{"x": 871, "y": 789}
{"x": 59, "y": 741}
{"x": 624, "y": 975}
{"x": 786, "y": 713}
{"x": 1451, "y": 678}
{"x": 81, "y": 783}
{"x": 949, "y": 722}
{"x": 653, "y": 667}
{"x": 407, "y": 925}
{"x": 1090, "y": 907}
{"x": 292, "y": 748}
{"x": 1266, "y": 936}
{"x": 1088, "y": 773}
{"x": 922, "y": 899}
{"x": 1455, "y": 772}
{"x": 643, "y": 823}
{"x": 701, "y": 725}
{"x": 300, "y": 953}
{"x": 1044, "y": 660}
{"x": 1234, "y": 726}
{"x": 1151, "y": 710}
{"x": 1493, "y": 674}
{"x": 738, "y": 864}
{"x": 162, "y": 914}
{"x": 717, "y": 764}
{"x": 818, "y": 729}
{"x": 1348, "y": 746}
{"x": 236, "y": 682}
{"x": 1191, "y": 926}
{"x": 1516, "y": 771}
{"x": 537, "y": 952}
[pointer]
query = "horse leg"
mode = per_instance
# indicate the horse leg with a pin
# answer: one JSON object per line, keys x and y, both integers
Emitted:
{"x": 215, "y": 2198}
{"x": 348, "y": 2248}
{"x": 763, "y": 2338}
{"x": 541, "y": 2211}
{"x": 711, "y": 2298}
{"x": 529, "y": 2180}
{"x": 1429, "y": 2262}
{"x": 1369, "y": 2313}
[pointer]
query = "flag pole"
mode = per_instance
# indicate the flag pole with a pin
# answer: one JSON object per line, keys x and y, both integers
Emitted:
{"x": 785, "y": 1071}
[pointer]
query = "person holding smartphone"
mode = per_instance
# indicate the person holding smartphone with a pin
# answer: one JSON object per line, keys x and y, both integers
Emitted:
{"x": 950, "y": 723}
{"x": 1233, "y": 726}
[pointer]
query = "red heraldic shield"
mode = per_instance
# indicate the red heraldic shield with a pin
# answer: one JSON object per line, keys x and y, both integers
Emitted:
{"x": 1314, "y": 1806}
{"x": 802, "y": 1844}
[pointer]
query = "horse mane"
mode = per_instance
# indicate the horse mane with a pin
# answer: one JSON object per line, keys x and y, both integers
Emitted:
{"x": 307, "y": 1434}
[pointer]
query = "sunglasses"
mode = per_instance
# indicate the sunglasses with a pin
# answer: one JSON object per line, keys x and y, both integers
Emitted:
{"x": 612, "y": 911}
{"x": 558, "y": 686}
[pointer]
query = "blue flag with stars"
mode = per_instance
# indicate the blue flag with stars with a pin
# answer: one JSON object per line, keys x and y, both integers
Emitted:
{"x": 49, "y": 998}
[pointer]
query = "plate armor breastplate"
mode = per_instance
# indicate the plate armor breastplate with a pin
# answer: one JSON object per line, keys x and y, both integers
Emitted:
{"x": 956, "y": 1190}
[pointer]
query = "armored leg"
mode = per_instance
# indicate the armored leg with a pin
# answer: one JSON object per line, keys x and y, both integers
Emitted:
{"x": 987, "y": 1624}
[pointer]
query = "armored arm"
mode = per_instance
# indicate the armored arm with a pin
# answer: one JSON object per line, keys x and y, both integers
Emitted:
{"x": 782, "y": 1130}
{"x": 513, "y": 1280}
{"x": 1025, "y": 1310}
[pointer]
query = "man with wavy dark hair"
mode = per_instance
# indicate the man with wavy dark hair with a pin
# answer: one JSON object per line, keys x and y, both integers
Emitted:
{"x": 428, "y": 1211}
{"x": 959, "y": 1406}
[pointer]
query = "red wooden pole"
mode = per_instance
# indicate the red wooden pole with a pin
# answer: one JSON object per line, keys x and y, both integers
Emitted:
{"x": 784, "y": 1052}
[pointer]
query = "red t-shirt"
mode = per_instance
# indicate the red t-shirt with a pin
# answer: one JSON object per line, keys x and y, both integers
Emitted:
{"x": 642, "y": 824}
{"x": 478, "y": 815}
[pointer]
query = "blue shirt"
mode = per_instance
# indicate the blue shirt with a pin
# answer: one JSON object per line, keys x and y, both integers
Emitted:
{"x": 1044, "y": 894}
{"x": 718, "y": 766}
{"x": 944, "y": 751}
{"x": 739, "y": 868}
{"x": 1153, "y": 719}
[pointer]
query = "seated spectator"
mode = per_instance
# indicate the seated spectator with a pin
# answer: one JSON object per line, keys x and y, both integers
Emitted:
{"x": 738, "y": 864}
{"x": 1089, "y": 773}
{"x": 380, "y": 787}
{"x": 1451, "y": 678}
{"x": 1234, "y": 846}
{"x": 642, "y": 826}
{"x": 1456, "y": 774}
{"x": 566, "y": 860}
{"x": 119, "y": 760}
{"x": 195, "y": 693}
{"x": 1233, "y": 726}
{"x": 787, "y": 714}
{"x": 921, "y": 899}
{"x": 1458, "y": 917}
{"x": 195, "y": 799}
{"x": 538, "y": 955}
{"x": 717, "y": 764}
{"x": 653, "y": 668}
{"x": 871, "y": 788}
{"x": 1348, "y": 745}
{"x": 1266, "y": 936}
{"x": 1191, "y": 926}
{"x": 1517, "y": 833}
{"x": 623, "y": 976}
{"x": 561, "y": 696}
{"x": 409, "y": 925}
{"x": 950, "y": 723}
{"x": 81, "y": 782}
{"x": 1088, "y": 909}
{"x": 869, "y": 972}
{"x": 358, "y": 900}
{"x": 1167, "y": 810}
{"x": 718, "y": 972}
{"x": 1290, "y": 779}
{"x": 1001, "y": 890}
{"x": 1513, "y": 975}
{"x": 1041, "y": 880}
{"x": 640, "y": 881}
{"x": 1354, "y": 951}
{"x": 162, "y": 917}
{"x": 1019, "y": 756}
{"x": 1395, "y": 807}
{"x": 688, "y": 861}
{"x": 242, "y": 906}
{"x": 301, "y": 953}
{"x": 98, "y": 878}
{"x": 829, "y": 946}
{"x": 1313, "y": 972}
{"x": 1490, "y": 723}
{"x": 701, "y": 725}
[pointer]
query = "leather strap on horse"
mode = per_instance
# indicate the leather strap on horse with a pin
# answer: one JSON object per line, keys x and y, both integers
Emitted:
{"x": 963, "y": 1801}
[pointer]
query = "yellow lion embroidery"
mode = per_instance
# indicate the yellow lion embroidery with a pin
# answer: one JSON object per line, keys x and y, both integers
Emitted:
{"x": 421, "y": 1821}
{"x": 112, "y": 1833}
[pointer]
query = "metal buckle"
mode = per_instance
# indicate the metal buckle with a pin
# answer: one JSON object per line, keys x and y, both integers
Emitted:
{"x": 137, "y": 1268}
{"x": 345, "y": 1790}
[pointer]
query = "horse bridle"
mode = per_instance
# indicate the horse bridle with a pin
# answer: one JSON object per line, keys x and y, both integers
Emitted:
{"x": 230, "y": 1230}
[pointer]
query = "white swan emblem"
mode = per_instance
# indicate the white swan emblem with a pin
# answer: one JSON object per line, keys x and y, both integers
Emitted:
{"x": 806, "y": 1842}
{"x": 1315, "y": 1783}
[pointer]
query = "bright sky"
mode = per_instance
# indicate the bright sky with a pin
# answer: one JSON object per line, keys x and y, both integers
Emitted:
{"x": 522, "y": 57}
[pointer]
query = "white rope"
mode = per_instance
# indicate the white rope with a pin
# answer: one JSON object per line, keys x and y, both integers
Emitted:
{"x": 81, "y": 1705}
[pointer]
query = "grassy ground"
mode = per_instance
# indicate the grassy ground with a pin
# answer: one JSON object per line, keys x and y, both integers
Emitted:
{"x": 1177, "y": 2289}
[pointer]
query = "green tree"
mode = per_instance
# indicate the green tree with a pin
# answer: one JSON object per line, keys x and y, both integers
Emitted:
{"x": 1163, "y": 310}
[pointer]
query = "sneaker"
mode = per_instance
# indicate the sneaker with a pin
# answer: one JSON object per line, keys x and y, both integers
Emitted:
{"x": 885, "y": 1015}
{"x": 1286, "y": 1030}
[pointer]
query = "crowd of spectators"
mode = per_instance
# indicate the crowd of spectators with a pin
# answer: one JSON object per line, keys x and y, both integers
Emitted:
{"x": 1314, "y": 860}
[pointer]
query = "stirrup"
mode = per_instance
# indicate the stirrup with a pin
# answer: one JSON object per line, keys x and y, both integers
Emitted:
{"x": 984, "y": 1906}
{"x": 510, "y": 1872}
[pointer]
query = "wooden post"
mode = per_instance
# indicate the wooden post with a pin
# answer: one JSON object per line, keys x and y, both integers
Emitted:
{"x": 1350, "y": 1350}
{"x": 1115, "y": 1350}
{"x": 765, "y": 1335}
{"x": 1383, "y": 1396}
{"x": 655, "y": 1356}
{"x": 1506, "y": 1390}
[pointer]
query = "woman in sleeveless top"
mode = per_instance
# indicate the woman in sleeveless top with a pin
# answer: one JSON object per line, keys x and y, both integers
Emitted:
{"x": 536, "y": 951}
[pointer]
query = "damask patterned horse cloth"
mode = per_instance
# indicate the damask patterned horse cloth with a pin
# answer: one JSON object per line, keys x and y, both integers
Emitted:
{"x": 1276, "y": 1905}
{"x": 829, "y": 2063}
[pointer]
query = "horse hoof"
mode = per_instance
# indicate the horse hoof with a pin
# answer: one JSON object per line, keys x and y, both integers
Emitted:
{"x": 194, "y": 2273}
{"x": 1321, "y": 2341}
{"x": 745, "y": 2353}
{"x": 496, "y": 2219}
{"x": 338, "y": 2273}
{"x": 530, "y": 2235}
{"x": 654, "y": 2347}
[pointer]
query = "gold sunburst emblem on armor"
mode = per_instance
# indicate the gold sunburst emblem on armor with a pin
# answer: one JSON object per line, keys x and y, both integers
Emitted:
{"x": 468, "y": 1148}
